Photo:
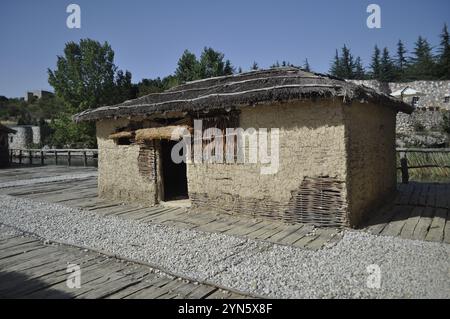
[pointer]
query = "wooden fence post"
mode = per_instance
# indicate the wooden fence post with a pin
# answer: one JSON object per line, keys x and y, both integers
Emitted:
{"x": 68, "y": 158}
{"x": 30, "y": 155}
{"x": 56, "y": 158}
{"x": 11, "y": 156}
{"x": 42, "y": 157}
{"x": 20, "y": 156}
{"x": 85, "y": 158}
{"x": 404, "y": 168}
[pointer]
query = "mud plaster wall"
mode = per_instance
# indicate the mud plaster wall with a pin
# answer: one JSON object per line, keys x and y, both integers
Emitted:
{"x": 125, "y": 172}
{"x": 371, "y": 159}
{"x": 311, "y": 144}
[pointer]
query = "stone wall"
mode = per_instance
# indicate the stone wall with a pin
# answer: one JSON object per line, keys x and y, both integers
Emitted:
{"x": 423, "y": 127}
{"x": 431, "y": 120}
{"x": 26, "y": 136}
{"x": 435, "y": 91}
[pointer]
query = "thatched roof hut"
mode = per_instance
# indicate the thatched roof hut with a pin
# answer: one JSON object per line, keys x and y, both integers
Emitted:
{"x": 244, "y": 89}
{"x": 335, "y": 141}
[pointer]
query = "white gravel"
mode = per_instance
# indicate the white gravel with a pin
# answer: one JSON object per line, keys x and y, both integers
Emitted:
{"x": 409, "y": 269}
{"x": 50, "y": 179}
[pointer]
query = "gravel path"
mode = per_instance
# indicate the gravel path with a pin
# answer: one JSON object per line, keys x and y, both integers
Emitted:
{"x": 41, "y": 180}
{"x": 409, "y": 269}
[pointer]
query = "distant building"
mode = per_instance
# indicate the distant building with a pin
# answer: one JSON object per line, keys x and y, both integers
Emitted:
{"x": 37, "y": 94}
{"x": 25, "y": 136}
{"x": 436, "y": 93}
{"x": 4, "y": 153}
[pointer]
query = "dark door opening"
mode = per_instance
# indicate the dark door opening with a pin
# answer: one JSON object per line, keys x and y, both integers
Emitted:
{"x": 174, "y": 175}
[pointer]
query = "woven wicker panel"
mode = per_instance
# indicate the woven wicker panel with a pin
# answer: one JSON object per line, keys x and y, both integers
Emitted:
{"x": 320, "y": 201}
{"x": 147, "y": 161}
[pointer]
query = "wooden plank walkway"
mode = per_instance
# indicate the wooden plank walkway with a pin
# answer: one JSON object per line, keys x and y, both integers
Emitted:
{"x": 31, "y": 269}
{"x": 420, "y": 211}
{"x": 83, "y": 194}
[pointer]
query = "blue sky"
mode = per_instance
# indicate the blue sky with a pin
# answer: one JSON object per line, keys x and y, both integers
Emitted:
{"x": 148, "y": 37}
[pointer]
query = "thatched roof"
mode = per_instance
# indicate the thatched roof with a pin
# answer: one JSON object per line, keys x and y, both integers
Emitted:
{"x": 5, "y": 129}
{"x": 239, "y": 90}
{"x": 171, "y": 132}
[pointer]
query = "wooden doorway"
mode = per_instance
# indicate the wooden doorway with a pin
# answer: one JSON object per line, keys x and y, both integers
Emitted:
{"x": 174, "y": 175}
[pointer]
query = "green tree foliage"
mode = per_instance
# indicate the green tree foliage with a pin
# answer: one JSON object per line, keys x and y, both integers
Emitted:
{"x": 30, "y": 112}
{"x": 86, "y": 77}
{"x": 359, "y": 73}
{"x": 275, "y": 65}
{"x": 188, "y": 67}
{"x": 158, "y": 85}
{"x": 306, "y": 66}
{"x": 375, "y": 66}
{"x": 346, "y": 66}
{"x": 401, "y": 61}
{"x": 387, "y": 67}
{"x": 443, "y": 71}
{"x": 66, "y": 133}
{"x": 347, "y": 63}
{"x": 212, "y": 64}
{"x": 254, "y": 66}
{"x": 422, "y": 65}
{"x": 335, "y": 69}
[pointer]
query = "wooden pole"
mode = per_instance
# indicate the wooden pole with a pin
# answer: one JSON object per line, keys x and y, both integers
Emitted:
{"x": 68, "y": 158}
{"x": 56, "y": 157}
{"x": 42, "y": 157}
{"x": 10, "y": 156}
{"x": 85, "y": 158}
{"x": 30, "y": 155}
{"x": 404, "y": 168}
{"x": 20, "y": 156}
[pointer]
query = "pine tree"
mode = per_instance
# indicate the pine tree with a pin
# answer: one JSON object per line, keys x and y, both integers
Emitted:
{"x": 306, "y": 66}
{"x": 212, "y": 64}
{"x": 401, "y": 62}
{"x": 375, "y": 66}
{"x": 335, "y": 69}
{"x": 387, "y": 67}
{"x": 228, "y": 68}
{"x": 359, "y": 73}
{"x": 444, "y": 55}
{"x": 275, "y": 65}
{"x": 422, "y": 65}
{"x": 254, "y": 66}
{"x": 347, "y": 63}
{"x": 188, "y": 67}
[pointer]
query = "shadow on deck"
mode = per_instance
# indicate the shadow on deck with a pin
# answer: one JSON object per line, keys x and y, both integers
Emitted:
{"x": 420, "y": 211}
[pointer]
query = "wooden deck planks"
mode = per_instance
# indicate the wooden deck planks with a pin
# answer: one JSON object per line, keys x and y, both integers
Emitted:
{"x": 401, "y": 219}
{"x": 43, "y": 275}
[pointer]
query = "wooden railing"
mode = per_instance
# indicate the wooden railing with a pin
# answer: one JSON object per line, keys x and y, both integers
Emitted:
{"x": 428, "y": 162}
{"x": 85, "y": 154}
{"x": 42, "y": 154}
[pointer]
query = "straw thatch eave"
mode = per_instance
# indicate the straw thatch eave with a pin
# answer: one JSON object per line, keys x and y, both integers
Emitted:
{"x": 236, "y": 91}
